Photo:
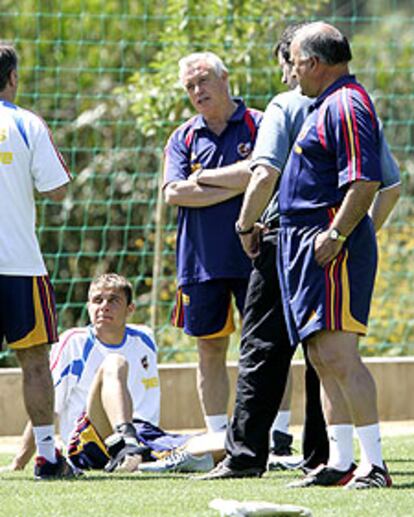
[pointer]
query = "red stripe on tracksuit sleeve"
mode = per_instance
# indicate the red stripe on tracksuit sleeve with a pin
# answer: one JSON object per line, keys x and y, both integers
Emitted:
{"x": 346, "y": 137}
{"x": 356, "y": 137}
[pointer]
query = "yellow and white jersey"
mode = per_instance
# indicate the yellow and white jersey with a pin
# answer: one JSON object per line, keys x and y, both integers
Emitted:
{"x": 28, "y": 160}
{"x": 78, "y": 356}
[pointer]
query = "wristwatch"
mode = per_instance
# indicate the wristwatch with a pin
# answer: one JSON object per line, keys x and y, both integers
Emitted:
{"x": 335, "y": 235}
{"x": 241, "y": 231}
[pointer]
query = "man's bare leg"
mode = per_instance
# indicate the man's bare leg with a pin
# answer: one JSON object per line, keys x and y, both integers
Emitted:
{"x": 109, "y": 402}
{"x": 212, "y": 443}
{"x": 350, "y": 395}
{"x": 110, "y": 408}
{"x": 213, "y": 381}
{"x": 337, "y": 357}
{"x": 38, "y": 395}
{"x": 337, "y": 413}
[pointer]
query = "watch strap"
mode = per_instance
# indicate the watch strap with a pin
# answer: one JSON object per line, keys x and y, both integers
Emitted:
{"x": 336, "y": 235}
{"x": 243, "y": 231}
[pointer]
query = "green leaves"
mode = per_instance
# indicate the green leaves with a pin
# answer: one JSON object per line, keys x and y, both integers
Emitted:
{"x": 241, "y": 32}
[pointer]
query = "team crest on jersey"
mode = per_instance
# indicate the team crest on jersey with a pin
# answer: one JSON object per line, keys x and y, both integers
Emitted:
{"x": 244, "y": 149}
{"x": 145, "y": 362}
{"x": 195, "y": 167}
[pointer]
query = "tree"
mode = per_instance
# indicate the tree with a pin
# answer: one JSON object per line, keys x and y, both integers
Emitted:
{"x": 383, "y": 62}
{"x": 242, "y": 33}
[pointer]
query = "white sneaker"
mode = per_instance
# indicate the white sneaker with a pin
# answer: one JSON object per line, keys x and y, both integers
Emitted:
{"x": 291, "y": 462}
{"x": 179, "y": 461}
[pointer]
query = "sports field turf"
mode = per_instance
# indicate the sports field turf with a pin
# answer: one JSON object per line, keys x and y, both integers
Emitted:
{"x": 171, "y": 495}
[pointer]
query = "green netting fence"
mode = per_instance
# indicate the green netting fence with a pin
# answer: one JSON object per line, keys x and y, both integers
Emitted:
{"x": 103, "y": 75}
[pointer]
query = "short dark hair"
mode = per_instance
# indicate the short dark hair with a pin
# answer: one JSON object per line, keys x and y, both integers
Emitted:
{"x": 282, "y": 46}
{"x": 8, "y": 63}
{"x": 332, "y": 47}
{"x": 112, "y": 281}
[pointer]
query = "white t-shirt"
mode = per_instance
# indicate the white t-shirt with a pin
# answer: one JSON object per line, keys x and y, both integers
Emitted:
{"x": 28, "y": 160}
{"x": 78, "y": 355}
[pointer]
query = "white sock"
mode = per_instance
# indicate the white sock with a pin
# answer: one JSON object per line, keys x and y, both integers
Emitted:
{"x": 216, "y": 423}
{"x": 370, "y": 446}
{"x": 341, "y": 450}
{"x": 44, "y": 436}
{"x": 281, "y": 422}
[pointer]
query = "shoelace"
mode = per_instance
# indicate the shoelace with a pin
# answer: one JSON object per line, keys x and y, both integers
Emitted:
{"x": 218, "y": 467}
{"x": 376, "y": 479}
{"x": 175, "y": 457}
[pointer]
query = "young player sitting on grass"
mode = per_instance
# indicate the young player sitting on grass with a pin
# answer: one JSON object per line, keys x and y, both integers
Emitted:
{"x": 107, "y": 394}
{"x": 108, "y": 397}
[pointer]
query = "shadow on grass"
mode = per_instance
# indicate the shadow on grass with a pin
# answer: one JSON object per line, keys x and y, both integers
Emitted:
{"x": 403, "y": 486}
{"x": 92, "y": 477}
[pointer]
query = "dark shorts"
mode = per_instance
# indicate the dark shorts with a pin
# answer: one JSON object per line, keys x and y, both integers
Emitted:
{"x": 28, "y": 311}
{"x": 205, "y": 309}
{"x": 335, "y": 297}
{"x": 87, "y": 450}
{"x": 160, "y": 442}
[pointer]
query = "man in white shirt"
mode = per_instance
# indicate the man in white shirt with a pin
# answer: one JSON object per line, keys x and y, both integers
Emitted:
{"x": 29, "y": 161}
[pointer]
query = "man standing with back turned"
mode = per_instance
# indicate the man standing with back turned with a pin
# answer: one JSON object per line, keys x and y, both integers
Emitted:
{"x": 327, "y": 253}
{"x": 211, "y": 264}
{"x": 28, "y": 160}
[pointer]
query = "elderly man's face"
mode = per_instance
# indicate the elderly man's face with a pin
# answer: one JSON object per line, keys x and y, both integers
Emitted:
{"x": 205, "y": 88}
{"x": 302, "y": 70}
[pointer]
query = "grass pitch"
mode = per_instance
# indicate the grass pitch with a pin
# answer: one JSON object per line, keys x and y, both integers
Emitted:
{"x": 168, "y": 495}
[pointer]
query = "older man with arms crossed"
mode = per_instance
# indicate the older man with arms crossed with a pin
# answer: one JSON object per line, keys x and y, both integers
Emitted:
{"x": 211, "y": 264}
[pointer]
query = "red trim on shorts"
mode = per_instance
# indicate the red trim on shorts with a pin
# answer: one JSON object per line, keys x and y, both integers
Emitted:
{"x": 177, "y": 315}
{"x": 46, "y": 301}
{"x": 338, "y": 292}
{"x": 327, "y": 298}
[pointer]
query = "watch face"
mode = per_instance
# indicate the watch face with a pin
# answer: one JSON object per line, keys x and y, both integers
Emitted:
{"x": 334, "y": 234}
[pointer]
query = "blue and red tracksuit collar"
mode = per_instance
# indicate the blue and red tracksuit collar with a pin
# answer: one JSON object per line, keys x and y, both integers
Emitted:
{"x": 200, "y": 123}
{"x": 342, "y": 81}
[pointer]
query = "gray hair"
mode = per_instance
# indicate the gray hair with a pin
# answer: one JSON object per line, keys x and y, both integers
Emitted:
{"x": 324, "y": 41}
{"x": 207, "y": 57}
